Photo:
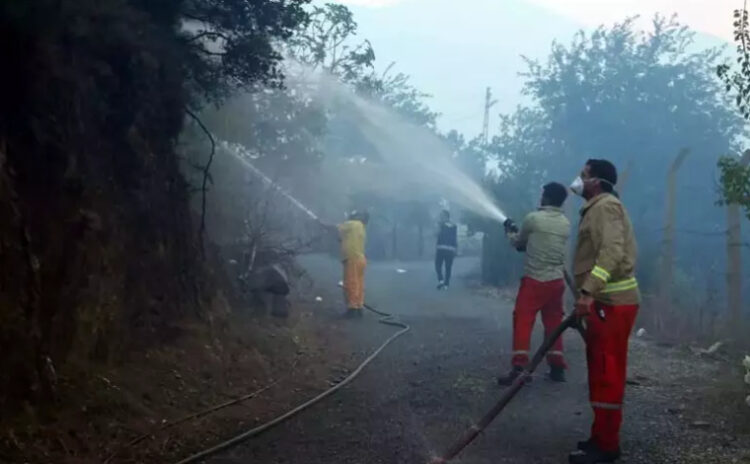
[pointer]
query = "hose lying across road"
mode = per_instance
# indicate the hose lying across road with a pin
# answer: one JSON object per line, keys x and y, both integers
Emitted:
{"x": 507, "y": 395}
{"x": 570, "y": 322}
{"x": 387, "y": 319}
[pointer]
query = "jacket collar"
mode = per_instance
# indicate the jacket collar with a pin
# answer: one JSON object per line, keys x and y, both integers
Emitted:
{"x": 595, "y": 200}
{"x": 551, "y": 208}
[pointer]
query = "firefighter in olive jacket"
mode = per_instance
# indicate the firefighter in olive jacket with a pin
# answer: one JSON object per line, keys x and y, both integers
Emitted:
{"x": 543, "y": 237}
{"x": 604, "y": 270}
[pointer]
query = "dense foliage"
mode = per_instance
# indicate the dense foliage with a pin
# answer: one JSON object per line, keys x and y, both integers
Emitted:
{"x": 98, "y": 252}
{"x": 635, "y": 98}
{"x": 291, "y": 133}
{"x": 98, "y": 248}
{"x": 735, "y": 175}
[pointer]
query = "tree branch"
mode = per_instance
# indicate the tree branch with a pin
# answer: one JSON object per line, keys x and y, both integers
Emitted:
{"x": 211, "y": 34}
{"x": 195, "y": 18}
{"x": 206, "y": 174}
{"x": 207, "y": 52}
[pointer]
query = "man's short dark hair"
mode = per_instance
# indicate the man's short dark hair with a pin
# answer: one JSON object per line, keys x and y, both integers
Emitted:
{"x": 555, "y": 194}
{"x": 605, "y": 170}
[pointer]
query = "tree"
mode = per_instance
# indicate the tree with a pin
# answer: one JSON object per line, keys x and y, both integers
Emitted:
{"x": 629, "y": 94}
{"x": 735, "y": 175}
{"x": 395, "y": 91}
{"x": 626, "y": 96}
{"x": 281, "y": 129}
{"x": 738, "y": 80}
{"x": 92, "y": 191}
{"x": 327, "y": 41}
{"x": 230, "y": 44}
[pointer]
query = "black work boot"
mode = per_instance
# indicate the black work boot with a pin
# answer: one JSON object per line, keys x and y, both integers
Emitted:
{"x": 584, "y": 445}
{"x": 353, "y": 313}
{"x": 589, "y": 453}
{"x": 556, "y": 374}
{"x": 511, "y": 376}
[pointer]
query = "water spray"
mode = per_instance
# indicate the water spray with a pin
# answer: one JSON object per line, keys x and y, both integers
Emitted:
{"x": 414, "y": 155}
{"x": 240, "y": 153}
{"x": 418, "y": 155}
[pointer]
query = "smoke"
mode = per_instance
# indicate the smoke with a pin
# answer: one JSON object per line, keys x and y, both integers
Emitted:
{"x": 413, "y": 160}
{"x": 243, "y": 156}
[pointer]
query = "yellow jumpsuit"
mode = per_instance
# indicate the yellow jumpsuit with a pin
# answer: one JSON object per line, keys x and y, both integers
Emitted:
{"x": 353, "y": 236}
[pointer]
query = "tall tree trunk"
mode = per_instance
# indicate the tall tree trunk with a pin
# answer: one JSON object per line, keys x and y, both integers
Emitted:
{"x": 25, "y": 369}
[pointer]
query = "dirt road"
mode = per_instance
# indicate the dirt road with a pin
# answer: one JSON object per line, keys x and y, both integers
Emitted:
{"x": 435, "y": 381}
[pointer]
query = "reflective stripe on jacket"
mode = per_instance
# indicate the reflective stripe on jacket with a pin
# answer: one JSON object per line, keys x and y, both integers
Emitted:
{"x": 604, "y": 264}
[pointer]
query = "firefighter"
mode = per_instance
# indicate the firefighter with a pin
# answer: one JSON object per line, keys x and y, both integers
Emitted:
{"x": 447, "y": 247}
{"x": 604, "y": 269}
{"x": 543, "y": 236}
{"x": 352, "y": 237}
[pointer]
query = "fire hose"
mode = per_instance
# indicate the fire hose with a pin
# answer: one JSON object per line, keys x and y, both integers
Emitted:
{"x": 386, "y": 318}
{"x": 570, "y": 322}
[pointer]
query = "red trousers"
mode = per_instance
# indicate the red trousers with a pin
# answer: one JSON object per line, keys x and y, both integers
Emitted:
{"x": 607, "y": 358}
{"x": 535, "y": 296}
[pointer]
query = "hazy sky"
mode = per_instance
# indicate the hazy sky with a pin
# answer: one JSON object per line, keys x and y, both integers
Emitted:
{"x": 455, "y": 49}
{"x": 709, "y": 16}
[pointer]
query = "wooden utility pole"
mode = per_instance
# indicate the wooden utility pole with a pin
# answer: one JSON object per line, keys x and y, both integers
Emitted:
{"x": 734, "y": 257}
{"x": 488, "y": 104}
{"x": 667, "y": 254}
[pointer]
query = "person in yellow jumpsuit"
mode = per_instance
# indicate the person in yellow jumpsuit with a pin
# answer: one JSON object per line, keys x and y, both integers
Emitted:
{"x": 353, "y": 237}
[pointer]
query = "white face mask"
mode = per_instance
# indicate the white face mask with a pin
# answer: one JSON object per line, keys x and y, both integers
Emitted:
{"x": 577, "y": 186}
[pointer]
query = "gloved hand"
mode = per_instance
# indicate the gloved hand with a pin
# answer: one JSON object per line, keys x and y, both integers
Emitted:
{"x": 510, "y": 226}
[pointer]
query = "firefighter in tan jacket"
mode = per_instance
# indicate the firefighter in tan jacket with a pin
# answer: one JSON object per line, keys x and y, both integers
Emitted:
{"x": 604, "y": 268}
